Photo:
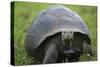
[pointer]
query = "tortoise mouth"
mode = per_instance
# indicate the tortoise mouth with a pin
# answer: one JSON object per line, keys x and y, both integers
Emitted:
{"x": 70, "y": 52}
{"x": 71, "y": 55}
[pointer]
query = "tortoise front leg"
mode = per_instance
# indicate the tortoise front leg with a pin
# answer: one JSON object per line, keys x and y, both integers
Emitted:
{"x": 51, "y": 54}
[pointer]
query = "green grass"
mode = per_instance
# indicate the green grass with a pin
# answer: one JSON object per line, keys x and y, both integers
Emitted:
{"x": 24, "y": 14}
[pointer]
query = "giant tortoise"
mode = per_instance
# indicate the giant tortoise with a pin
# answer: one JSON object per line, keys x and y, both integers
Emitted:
{"x": 58, "y": 35}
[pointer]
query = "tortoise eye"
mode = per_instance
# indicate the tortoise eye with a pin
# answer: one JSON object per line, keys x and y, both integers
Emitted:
{"x": 67, "y": 35}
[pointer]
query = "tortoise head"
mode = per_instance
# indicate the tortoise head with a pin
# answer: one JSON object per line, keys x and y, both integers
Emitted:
{"x": 75, "y": 44}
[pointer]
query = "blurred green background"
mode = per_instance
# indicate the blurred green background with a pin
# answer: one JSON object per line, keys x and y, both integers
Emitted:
{"x": 25, "y": 12}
